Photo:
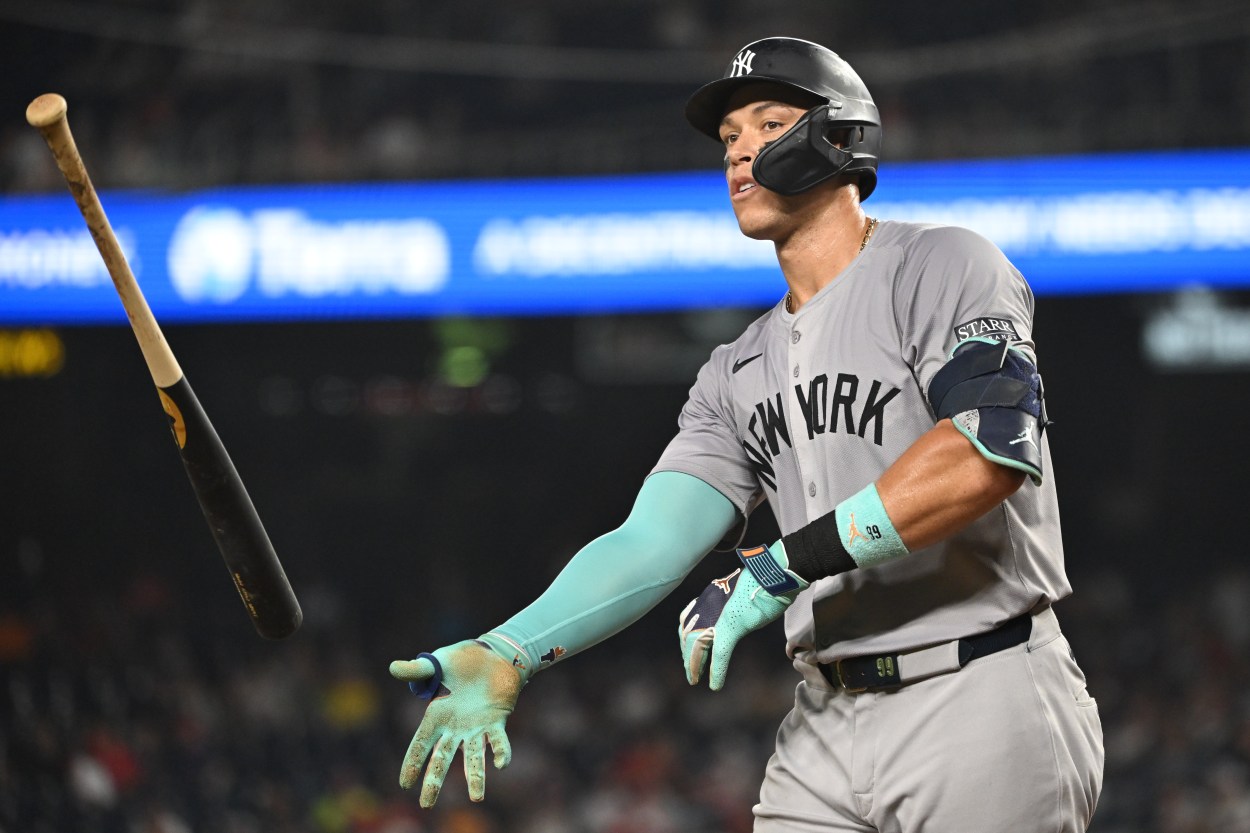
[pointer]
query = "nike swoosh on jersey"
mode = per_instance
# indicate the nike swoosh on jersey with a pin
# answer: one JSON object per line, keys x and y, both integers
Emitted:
{"x": 738, "y": 365}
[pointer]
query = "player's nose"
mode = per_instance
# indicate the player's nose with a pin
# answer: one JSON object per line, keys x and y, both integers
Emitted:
{"x": 745, "y": 148}
{"x": 740, "y": 154}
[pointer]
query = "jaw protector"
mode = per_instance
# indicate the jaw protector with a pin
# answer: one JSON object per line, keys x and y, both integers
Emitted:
{"x": 806, "y": 155}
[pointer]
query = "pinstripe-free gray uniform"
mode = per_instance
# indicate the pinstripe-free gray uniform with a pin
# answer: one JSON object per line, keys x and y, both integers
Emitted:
{"x": 806, "y": 409}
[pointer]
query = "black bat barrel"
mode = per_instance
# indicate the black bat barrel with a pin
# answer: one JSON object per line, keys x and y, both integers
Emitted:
{"x": 231, "y": 516}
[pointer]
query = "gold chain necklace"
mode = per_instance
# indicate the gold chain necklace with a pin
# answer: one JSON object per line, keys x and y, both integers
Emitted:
{"x": 863, "y": 244}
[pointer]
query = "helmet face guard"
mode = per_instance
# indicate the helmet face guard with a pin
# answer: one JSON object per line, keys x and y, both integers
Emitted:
{"x": 818, "y": 147}
{"x": 807, "y": 154}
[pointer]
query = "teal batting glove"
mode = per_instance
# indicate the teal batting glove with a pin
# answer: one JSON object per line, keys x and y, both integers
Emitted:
{"x": 729, "y": 608}
{"x": 471, "y": 690}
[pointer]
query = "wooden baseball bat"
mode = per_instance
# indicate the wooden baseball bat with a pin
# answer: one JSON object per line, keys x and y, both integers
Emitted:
{"x": 258, "y": 575}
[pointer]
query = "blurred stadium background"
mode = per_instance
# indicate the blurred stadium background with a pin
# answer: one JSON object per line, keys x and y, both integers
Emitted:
{"x": 425, "y": 475}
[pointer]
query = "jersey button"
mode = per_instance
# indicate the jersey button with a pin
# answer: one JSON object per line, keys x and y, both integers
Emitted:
{"x": 796, "y": 371}
{"x": 794, "y": 337}
{"x": 811, "y": 489}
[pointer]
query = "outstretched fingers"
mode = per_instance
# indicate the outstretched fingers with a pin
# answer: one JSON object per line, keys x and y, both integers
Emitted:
{"x": 436, "y": 770}
{"x": 475, "y": 767}
{"x": 500, "y": 745}
{"x": 418, "y": 750}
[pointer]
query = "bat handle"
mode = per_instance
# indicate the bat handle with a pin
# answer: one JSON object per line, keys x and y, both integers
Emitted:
{"x": 47, "y": 113}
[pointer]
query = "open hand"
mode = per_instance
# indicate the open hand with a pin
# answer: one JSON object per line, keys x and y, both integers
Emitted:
{"x": 472, "y": 691}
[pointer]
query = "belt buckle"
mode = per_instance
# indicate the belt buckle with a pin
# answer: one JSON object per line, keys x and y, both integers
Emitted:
{"x": 837, "y": 667}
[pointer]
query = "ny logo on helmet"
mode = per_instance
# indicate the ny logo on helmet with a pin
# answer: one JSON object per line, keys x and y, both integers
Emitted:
{"x": 742, "y": 64}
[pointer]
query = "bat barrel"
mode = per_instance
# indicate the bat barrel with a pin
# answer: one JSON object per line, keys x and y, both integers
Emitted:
{"x": 232, "y": 518}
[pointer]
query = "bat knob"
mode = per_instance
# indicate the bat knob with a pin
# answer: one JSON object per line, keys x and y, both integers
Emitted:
{"x": 47, "y": 109}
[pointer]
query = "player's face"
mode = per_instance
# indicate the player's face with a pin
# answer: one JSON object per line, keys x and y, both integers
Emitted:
{"x": 756, "y": 115}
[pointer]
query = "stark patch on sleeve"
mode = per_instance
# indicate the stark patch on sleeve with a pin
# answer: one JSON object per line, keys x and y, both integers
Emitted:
{"x": 988, "y": 327}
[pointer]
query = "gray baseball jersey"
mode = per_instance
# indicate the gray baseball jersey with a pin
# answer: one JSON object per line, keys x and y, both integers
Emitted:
{"x": 806, "y": 409}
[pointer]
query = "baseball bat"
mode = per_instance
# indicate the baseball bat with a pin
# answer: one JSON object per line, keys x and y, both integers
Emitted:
{"x": 258, "y": 575}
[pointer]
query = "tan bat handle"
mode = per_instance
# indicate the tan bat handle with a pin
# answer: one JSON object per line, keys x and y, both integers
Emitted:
{"x": 47, "y": 113}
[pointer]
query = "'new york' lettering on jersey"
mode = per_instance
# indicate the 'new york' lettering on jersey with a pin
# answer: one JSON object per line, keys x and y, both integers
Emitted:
{"x": 825, "y": 407}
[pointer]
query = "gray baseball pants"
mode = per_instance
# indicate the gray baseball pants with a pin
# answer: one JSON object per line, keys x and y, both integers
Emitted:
{"x": 1012, "y": 743}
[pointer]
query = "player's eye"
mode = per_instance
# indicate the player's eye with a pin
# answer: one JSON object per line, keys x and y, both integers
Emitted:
{"x": 772, "y": 124}
{"x": 730, "y": 138}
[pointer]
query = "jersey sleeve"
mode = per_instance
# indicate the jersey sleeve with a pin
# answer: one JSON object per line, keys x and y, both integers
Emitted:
{"x": 954, "y": 286}
{"x": 707, "y": 444}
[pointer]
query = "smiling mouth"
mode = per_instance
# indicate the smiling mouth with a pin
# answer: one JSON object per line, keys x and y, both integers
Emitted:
{"x": 743, "y": 189}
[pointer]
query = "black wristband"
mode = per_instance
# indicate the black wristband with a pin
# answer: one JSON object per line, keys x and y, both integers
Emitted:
{"x": 816, "y": 550}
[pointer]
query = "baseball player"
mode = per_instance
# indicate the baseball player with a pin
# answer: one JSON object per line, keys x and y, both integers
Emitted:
{"x": 890, "y": 411}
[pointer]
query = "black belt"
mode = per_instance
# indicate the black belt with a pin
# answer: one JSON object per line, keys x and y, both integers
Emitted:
{"x": 857, "y": 674}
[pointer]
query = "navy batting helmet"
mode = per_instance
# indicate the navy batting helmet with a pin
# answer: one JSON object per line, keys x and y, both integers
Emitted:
{"x": 807, "y": 154}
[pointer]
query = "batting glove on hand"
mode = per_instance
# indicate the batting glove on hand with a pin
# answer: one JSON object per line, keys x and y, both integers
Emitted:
{"x": 729, "y": 608}
{"x": 472, "y": 690}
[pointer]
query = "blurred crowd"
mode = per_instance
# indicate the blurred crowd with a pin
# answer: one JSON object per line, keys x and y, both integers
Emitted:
{"x": 196, "y": 93}
{"x": 128, "y": 710}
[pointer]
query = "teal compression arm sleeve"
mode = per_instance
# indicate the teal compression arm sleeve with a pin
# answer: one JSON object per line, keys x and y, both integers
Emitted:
{"x": 612, "y": 581}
